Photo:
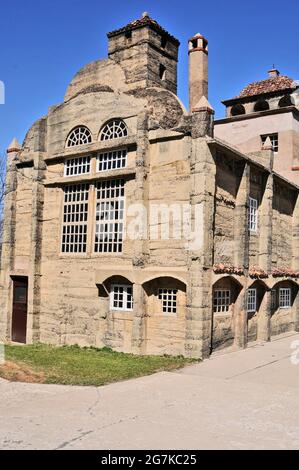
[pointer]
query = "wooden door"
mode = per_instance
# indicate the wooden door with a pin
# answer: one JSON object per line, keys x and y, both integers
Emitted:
{"x": 19, "y": 311}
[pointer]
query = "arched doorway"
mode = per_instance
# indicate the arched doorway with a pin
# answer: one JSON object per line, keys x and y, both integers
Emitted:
{"x": 225, "y": 294}
{"x": 165, "y": 321}
{"x": 256, "y": 303}
{"x": 284, "y": 304}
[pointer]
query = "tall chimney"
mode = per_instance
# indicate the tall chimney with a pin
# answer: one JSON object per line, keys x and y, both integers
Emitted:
{"x": 198, "y": 70}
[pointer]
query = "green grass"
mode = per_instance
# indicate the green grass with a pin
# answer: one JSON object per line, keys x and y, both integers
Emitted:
{"x": 81, "y": 366}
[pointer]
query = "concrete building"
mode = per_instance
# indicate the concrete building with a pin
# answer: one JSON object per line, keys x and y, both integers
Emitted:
{"x": 129, "y": 225}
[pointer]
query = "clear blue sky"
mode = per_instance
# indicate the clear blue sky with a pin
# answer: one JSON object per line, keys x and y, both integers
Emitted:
{"x": 44, "y": 43}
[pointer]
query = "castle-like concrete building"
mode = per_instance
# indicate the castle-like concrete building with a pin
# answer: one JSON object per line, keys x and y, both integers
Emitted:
{"x": 133, "y": 223}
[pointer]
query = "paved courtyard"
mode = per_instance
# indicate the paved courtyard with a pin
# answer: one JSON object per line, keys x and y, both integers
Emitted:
{"x": 240, "y": 400}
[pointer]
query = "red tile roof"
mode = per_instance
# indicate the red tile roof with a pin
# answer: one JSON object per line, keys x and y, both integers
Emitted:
{"x": 145, "y": 20}
{"x": 267, "y": 86}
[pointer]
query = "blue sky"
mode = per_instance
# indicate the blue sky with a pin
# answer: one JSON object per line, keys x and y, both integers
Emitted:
{"x": 43, "y": 44}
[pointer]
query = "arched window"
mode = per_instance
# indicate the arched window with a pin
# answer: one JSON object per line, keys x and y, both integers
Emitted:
{"x": 237, "y": 110}
{"x": 113, "y": 130}
{"x": 81, "y": 135}
{"x": 261, "y": 105}
{"x": 285, "y": 101}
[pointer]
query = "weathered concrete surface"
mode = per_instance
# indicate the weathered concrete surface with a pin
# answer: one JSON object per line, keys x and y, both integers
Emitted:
{"x": 245, "y": 399}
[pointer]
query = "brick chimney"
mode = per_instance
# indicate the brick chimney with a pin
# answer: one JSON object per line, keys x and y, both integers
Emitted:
{"x": 198, "y": 70}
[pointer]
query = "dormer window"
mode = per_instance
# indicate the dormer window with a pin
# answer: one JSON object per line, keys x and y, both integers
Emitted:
{"x": 81, "y": 135}
{"x": 114, "y": 129}
{"x": 273, "y": 138}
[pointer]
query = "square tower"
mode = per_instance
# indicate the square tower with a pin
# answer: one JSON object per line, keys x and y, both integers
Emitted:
{"x": 147, "y": 53}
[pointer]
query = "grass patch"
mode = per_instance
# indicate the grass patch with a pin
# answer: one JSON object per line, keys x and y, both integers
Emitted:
{"x": 72, "y": 365}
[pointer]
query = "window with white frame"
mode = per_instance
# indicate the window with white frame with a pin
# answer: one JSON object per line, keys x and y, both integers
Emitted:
{"x": 110, "y": 200}
{"x": 221, "y": 300}
{"x": 273, "y": 138}
{"x": 121, "y": 297}
{"x": 273, "y": 299}
{"x": 251, "y": 300}
{"x": 114, "y": 129}
{"x": 77, "y": 166}
{"x": 168, "y": 298}
{"x": 112, "y": 160}
{"x": 75, "y": 215}
{"x": 79, "y": 136}
{"x": 253, "y": 214}
{"x": 284, "y": 297}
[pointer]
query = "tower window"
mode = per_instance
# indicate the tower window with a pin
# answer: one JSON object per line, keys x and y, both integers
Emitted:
{"x": 194, "y": 43}
{"x": 162, "y": 72}
{"x": 273, "y": 138}
{"x": 128, "y": 35}
{"x": 163, "y": 42}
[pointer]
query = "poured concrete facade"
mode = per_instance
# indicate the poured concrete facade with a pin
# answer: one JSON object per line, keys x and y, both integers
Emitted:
{"x": 173, "y": 159}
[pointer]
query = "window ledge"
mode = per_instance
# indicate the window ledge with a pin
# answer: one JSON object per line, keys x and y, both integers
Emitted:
{"x": 89, "y": 178}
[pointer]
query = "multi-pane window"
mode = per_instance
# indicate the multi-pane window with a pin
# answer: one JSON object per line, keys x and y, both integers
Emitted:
{"x": 75, "y": 215}
{"x": 253, "y": 214}
{"x": 112, "y": 160}
{"x": 113, "y": 130}
{"x": 121, "y": 297}
{"x": 168, "y": 298}
{"x": 284, "y": 297}
{"x": 221, "y": 300}
{"x": 77, "y": 166}
{"x": 79, "y": 136}
{"x": 251, "y": 300}
{"x": 273, "y": 138}
{"x": 110, "y": 216}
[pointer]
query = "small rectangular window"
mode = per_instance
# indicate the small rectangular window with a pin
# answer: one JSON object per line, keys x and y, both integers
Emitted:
{"x": 273, "y": 138}
{"x": 75, "y": 214}
{"x": 77, "y": 166}
{"x": 253, "y": 215}
{"x": 221, "y": 300}
{"x": 284, "y": 297}
{"x": 112, "y": 160}
{"x": 168, "y": 298}
{"x": 110, "y": 216}
{"x": 251, "y": 300}
{"x": 121, "y": 297}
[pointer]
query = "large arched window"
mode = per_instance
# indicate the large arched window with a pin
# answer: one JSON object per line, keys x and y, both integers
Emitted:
{"x": 81, "y": 135}
{"x": 237, "y": 110}
{"x": 261, "y": 105}
{"x": 113, "y": 130}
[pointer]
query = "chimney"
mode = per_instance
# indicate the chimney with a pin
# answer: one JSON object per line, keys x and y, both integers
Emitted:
{"x": 198, "y": 70}
{"x": 273, "y": 73}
